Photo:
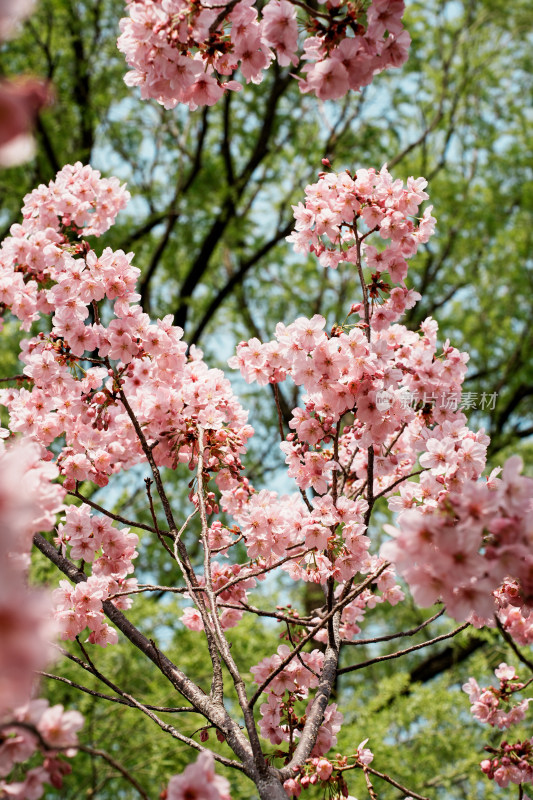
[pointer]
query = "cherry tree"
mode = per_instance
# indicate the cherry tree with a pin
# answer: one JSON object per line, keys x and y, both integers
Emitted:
{"x": 104, "y": 389}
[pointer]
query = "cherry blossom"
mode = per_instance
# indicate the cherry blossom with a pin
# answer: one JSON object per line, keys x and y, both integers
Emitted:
{"x": 108, "y": 389}
{"x": 488, "y": 705}
{"x": 198, "y": 781}
{"x": 55, "y": 733}
{"x": 180, "y": 51}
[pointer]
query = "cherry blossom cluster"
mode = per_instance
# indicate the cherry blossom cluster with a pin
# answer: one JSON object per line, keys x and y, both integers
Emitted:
{"x": 509, "y": 762}
{"x": 326, "y": 224}
{"x": 79, "y": 200}
{"x": 279, "y": 720}
{"x": 348, "y": 372}
{"x": 38, "y": 727}
{"x": 343, "y": 373}
{"x": 88, "y": 380}
{"x": 223, "y": 575}
{"x": 43, "y": 248}
{"x": 181, "y": 51}
{"x": 272, "y": 526}
{"x": 328, "y": 773}
{"x": 45, "y": 268}
{"x": 111, "y": 552}
{"x": 477, "y": 535}
{"x": 492, "y": 705}
{"x": 198, "y": 780}
{"x": 323, "y": 540}
{"x": 514, "y": 612}
{"x": 512, "y": 763}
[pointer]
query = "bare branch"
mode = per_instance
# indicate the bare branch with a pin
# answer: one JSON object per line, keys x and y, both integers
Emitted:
{"x": 400, "y": 653}
{"x": 213, "y": 712}
{"x": 388, "y": 637}
{"x": 116, "y": 765}
{"x": 338, "y": 607}
{"x": 120, "y": 700}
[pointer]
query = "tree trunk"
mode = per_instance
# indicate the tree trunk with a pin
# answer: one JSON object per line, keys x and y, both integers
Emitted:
{"x": 270, "y": 788}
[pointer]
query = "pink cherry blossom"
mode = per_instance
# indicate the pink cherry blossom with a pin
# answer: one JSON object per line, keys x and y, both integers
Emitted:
{"x": 198, "y": 781}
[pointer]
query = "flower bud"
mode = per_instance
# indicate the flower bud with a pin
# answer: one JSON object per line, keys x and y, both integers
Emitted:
{"x": 292, "y": 788}
{"x": 324, "y": 769}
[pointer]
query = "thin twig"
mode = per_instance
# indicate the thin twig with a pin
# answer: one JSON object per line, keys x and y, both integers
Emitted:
{"x": 392, "y": 485}
{"x": 400, "y": 653}
{"x": 390, "y": 636}
{"x": 508, "y": 638}
{"x": 355, "y": 593}
{"x": 262, "y": 571}
{"x": 116, "y": 765}
{"x": 241, "y": 606}
{"x": 222, "y": 642}
{"x": 117, "y": 517}
{"x": 407, "y": 792}
{"x": 280, "y": 413}
{"x": 119, "y": 700}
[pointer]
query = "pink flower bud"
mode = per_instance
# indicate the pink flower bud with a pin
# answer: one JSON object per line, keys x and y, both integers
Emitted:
{"x": 324, "y": 769}
{"x": 292, "y": 788}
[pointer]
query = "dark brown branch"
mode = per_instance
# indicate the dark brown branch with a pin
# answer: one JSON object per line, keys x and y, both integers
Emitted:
{"x": 214, "y": 713}
{"x": 407, "y": 792}
{"x": 173, "y": 213}
{"x": 400, "y": 653}
{"x": 120, "y": 700}
{"x": 390, "y": 636}
{"x": 47, "y": 144}
{"x": 325, "y": 619}
{"x": 81, "y": 72}
{"x": 226, "y": 140}
{"x": 234, "y": 194}
{"x": 116, "y": 765}
{"x": 235, "y": 280}
{"x": 117, "y": 517}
